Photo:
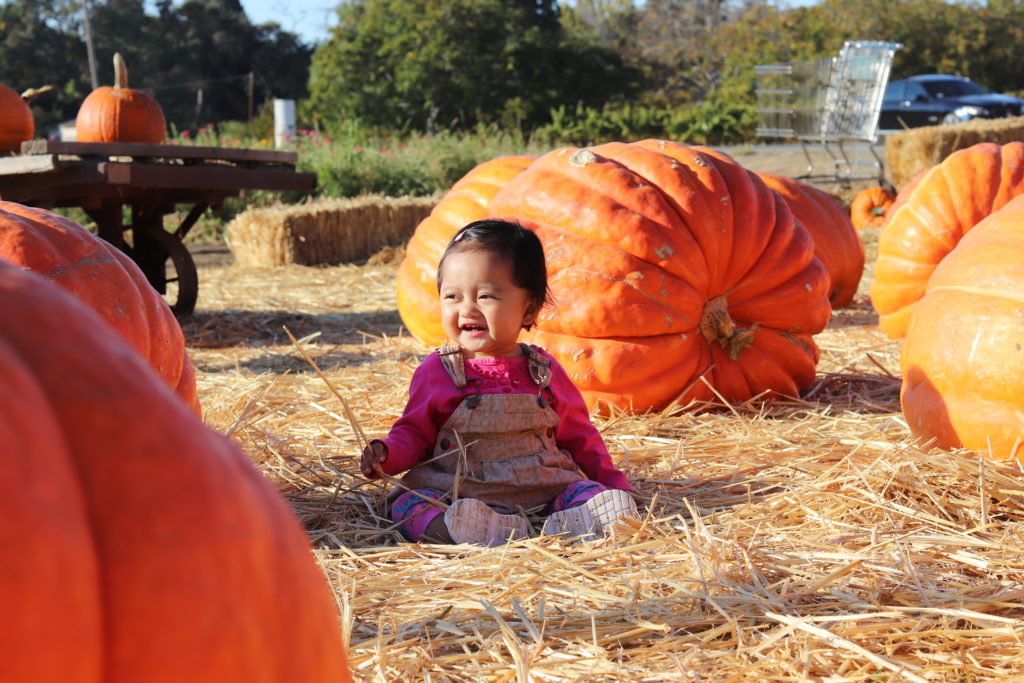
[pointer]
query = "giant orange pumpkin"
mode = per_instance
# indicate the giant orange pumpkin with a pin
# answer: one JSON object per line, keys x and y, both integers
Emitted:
{"x": 963, "y": 355}
{"x": 902, "y": 195}
{"x": 869, "y": 207}
{"x": 120, "y": 114}
{"x": 107, "y": 281}
{"x": 465, "y": 202}
{"x": 836, "y": 242}
{"x": 138, "y": 544}
{"x": 677, "y": 275}
{"x": 16, "y": 123}
{"x": 947, "y": 202}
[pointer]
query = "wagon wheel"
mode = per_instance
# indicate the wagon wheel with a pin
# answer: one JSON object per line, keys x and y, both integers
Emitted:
{"x": 184, "y": 268}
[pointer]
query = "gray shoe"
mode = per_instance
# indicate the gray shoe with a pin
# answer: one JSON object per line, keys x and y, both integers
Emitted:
{"x": 471, "y": 521}
{"x": 594, "y": 519}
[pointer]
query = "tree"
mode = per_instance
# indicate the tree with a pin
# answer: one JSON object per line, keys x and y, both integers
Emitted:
{"x": 196, "y": 58}
{"x": 39, "y": 45}
{"x": 961, "y": 38}
{"x": 454, "y": 63}
{"x": 613, "y": 23}
{"x": 678, "y": 46}
{"x": 172, "y": 53}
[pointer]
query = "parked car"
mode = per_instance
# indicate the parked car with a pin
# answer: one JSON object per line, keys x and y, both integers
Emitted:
{"x": 934, "y": 99}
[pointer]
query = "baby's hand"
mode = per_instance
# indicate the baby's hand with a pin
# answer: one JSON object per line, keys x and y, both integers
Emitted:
{"x": 374, "y": 454}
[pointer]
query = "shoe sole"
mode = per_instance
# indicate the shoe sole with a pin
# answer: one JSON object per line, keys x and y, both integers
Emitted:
{"x": 593, "y": 519}
{"x": 471, "y": 521}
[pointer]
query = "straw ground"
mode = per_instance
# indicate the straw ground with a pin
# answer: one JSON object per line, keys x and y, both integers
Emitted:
{"x": 808, "y": 539}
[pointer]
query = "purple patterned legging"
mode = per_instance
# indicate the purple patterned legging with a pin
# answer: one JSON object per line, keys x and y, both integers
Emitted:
{"x": 414, "y": 515}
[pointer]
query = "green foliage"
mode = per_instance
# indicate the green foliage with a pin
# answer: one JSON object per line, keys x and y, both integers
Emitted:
{"x": 711, "y": 122}
{"x": 196, "y": 57}
{"x": 396, "y": 165}
{"x": 717, "y": 122}
{"x": 360, "y": 162}
{"x": 692, "y": 50}
{"x": 39, "y": 46}
{"x": 447, "y": 64}
{"x": 983, "y": 41}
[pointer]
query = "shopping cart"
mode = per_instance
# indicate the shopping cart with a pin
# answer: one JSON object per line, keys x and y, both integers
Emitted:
{"x": 830, "y": 101}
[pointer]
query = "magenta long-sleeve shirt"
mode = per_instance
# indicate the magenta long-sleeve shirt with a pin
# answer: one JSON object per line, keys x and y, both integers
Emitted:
{"x": 433, "y": 397}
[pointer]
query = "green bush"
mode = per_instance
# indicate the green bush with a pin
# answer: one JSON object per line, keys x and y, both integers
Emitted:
{"x": 715, "y": 123}
{"x": 711, "y": 122}
{"x": 350, "y": 161}
{"x": 450, "y": 64}
{"x": 412, "y": 164}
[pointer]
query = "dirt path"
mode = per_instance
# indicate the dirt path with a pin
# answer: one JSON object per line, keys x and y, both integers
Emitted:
{"x": 790, "y": 160}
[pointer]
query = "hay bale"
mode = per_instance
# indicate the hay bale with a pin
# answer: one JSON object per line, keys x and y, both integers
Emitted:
{"x": 324, "y": 231}
{"x": 917, "y": 149}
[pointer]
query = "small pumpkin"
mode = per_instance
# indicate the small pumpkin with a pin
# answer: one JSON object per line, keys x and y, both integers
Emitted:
{"x": 677, "y": 275}
{"x": 869, "y": 207}
{"x": 107, "y": 281}
{"x": 465, "y": 202}
{"x": 139, "y": 545}
{"x": 946, "y": 203}
{"x": 120, "y": 114}
{"x": 16, "y": 123}
{"x": 836, "y": 242}
{"x": 963, "y": 356}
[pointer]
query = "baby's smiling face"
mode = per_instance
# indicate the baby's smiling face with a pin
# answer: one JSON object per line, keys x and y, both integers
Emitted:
{"x": 482, "y": 309}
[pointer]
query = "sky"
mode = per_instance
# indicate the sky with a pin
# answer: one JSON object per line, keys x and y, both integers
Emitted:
{"x": 311, "y": 20}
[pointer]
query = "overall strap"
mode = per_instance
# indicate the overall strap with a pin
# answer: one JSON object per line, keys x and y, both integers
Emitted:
{"x": 539, "y": 365}
{"x": 451, "y": 358}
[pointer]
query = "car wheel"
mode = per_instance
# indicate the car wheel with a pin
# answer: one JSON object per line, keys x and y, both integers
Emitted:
{"x": 950, "y": 118}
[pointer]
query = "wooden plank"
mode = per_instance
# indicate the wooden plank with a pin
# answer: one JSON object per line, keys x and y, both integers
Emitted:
{"x": 87, "y": 188}
{"x": 94, "y": 195}
{"x": 34, "y": 164}
{"x": 157, "y": 151}
{"x": 23, "y": 187}
{"x": 206, "y": 177}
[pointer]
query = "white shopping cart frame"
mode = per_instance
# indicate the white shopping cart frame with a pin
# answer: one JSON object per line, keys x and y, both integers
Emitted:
{"x": 830, "y": 101}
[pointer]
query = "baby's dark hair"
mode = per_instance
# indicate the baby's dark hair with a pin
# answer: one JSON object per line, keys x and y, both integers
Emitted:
{"x": 512, "y": 243}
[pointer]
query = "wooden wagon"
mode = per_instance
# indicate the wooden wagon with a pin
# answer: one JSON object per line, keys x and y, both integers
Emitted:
{"x": 151, "y": 180}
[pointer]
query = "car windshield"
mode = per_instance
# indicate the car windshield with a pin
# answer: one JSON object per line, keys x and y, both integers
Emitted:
{"x": 953, "y": 88}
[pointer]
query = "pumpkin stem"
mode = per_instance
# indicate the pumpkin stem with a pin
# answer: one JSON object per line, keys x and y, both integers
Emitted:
{"x": 582, "y": 157}
{"x": 120, "y": 72}
{"x": 716, "y": 326}
{"x": 715, "y": 323}
{"x": 35, "y": 92}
